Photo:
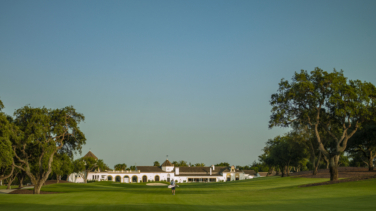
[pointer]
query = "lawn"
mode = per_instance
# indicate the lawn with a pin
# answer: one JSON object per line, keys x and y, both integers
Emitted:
{"x": 271, "y": 193}
{"x": 5, "y": 187}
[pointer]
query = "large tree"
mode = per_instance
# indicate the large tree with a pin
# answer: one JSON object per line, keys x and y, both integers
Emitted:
{"x": 7, "y": 130}
{"x": 364, "y": 141}
{"x": 328, "y": 100}
{"x": 45, "y": 132}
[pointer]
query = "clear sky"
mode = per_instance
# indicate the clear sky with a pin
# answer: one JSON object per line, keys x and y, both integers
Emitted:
{"x": 188, "y": 79}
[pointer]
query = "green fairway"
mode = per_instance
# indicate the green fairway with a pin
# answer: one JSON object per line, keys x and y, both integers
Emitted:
{"x": 271, "y": 193}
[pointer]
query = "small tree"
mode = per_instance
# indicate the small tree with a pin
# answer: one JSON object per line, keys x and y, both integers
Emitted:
{"x": 90, "y": 164}
{"x": 364, "y": 142}
{"x": 222, "y": 164}
{"x": 156, "y": 163}
{"x": 119, "y": 167}
{"x": 62, "y": 165}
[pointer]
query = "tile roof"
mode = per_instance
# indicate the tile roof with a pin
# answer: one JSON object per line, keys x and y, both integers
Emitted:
{"x": 263, "y": 174}
{"x": 167, "y": 163}
{"x": 90, "y": 155}
{"x": 250, "y": 172}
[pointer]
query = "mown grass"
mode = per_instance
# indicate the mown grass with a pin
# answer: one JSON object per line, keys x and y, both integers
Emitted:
{"x": 5, "y": 187}
{"x": 272, "y": 193}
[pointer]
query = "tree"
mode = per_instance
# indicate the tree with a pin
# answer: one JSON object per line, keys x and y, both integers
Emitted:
{"x": 79, "y": 167}
{"x": 119, "y": 167}
{"x": 91, "y": 164}
{"x": 45, "y": 132}
{"x": 7, "y": 130}
{"x": 286, "y": 151}
{"x": 337, "y": 105}
{"x": 156, "y": 163}
{"x": 12, "y": 177}
{"x": 222, "y": 164}
{"x": 364, "y": 142}
{"x": 175, "y": 163}
{"x": 62, "y": 165}
{"x": 183, "y": 163}
{"x": 199, "y": 164}
{"x": 21, "y": 177}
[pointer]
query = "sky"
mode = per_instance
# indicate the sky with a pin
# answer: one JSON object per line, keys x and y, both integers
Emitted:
{"x": 187, "y": 79}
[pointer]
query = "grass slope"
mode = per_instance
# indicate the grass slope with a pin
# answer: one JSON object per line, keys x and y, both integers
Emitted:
{"x": 272, "y": 193}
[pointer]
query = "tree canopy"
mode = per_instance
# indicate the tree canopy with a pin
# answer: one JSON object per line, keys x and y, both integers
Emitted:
{"x": 44, "y": 133}
{"x": 326, "y": 100}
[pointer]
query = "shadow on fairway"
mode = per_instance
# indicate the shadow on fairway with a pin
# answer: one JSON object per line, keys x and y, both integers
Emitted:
{"x": 323, "y": 203}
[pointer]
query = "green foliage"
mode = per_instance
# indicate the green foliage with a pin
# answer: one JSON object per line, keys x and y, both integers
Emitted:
{"x": 156, "y": 163}
{"x": 362, "y": 146}
{"x": 222, "y": 164}
{"x": 199, "y": 164}
{"x": 6, "y": 151}
{"x": 119, "y": 167}
{"x": 45, "y": 132}
{"x": 183, "y": 163}
{"x": 62, "y": 164}
{"x": 326, "y": 101}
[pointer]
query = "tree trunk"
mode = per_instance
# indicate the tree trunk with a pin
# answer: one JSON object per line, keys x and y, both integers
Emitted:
{"x": 333, "y": 167}
{"x": 10, "y": 181}
{"x": 37, "y": 187}
{"x": 327, "y": 162}
{"x": 20, "y": 179}
{"x": 57, "y": 178}
{"x": 86, "y": 173}
{"x": 370, "y": 161}
{"x": 284, "y": 171}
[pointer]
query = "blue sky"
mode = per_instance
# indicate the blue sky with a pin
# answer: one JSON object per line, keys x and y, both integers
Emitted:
{"x": 188, "y": 79}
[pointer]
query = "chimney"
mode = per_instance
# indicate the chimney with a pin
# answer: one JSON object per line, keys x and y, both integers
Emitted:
{"x": 210, "y": 171}
{"x": 213, "y": 167}
{"x": 176, "y": 170}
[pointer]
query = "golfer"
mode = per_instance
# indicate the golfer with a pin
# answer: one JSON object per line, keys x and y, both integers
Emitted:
{"x": 173, "y": 187}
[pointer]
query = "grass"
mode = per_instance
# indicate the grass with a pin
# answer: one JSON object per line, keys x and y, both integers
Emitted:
{"x": 5, "y": 187}
{"x": 271, "y": 193}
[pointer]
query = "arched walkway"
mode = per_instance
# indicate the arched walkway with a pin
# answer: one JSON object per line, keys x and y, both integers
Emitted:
{"x": 156, "y": 178}
{"x": 134, "y": 179}
{"x": 126, "y": 179}
{"x": 109, "y": 178}
{"x": 117, "y": 179}
{"x": 144, "y": 178}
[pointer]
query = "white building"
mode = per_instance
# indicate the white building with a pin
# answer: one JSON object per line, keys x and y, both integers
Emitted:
{"x": 166, "y": 172}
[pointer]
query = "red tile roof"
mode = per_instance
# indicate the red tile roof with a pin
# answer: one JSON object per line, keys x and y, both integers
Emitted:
{"x": 90, "y": 155}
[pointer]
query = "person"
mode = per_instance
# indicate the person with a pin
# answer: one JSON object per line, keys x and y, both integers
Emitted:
{"x": 173, "y": 184}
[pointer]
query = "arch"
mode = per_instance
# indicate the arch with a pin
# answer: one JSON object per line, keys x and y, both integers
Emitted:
{"x": 134, "y": 179}
{"x": 118, "y": 178}
{"x": 144, "y": 178}
{"x": 126, "y": 179}
{"x": 156, "y": 178}
{"x": 109, "y": 178}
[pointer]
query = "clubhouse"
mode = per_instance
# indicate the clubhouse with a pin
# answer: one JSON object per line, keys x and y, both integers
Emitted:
{"x": 166, "y": 172}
